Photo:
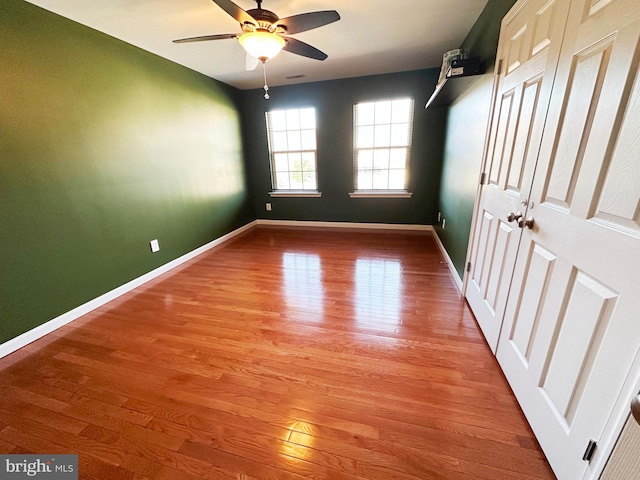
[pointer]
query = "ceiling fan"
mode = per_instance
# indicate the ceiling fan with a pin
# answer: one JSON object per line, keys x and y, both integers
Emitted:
{"x": 263, "y": 32}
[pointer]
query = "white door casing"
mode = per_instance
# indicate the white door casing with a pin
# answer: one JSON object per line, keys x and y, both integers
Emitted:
{"x": 571, "y": 331}
{"x": 531, "y": 35}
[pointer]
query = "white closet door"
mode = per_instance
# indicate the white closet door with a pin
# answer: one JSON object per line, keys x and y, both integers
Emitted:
{"x": 530, "y": 41}
{"x": 572, "y": 324}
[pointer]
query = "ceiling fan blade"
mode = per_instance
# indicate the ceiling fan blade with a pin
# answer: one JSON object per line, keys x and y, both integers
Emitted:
{"x": 304, "y": 49}
{"x": 204, "y": 38}
{"x": 235, "y": 11}
{"x": 308, "y": 21}
{"x": 250, "y": 63}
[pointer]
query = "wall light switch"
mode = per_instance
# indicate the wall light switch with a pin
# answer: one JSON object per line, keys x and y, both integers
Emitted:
{"x": 268, "y": 207}
{"x": 439, "y": 216}
{"x": 155, "y": 246}
{"x": 443, "y": 222}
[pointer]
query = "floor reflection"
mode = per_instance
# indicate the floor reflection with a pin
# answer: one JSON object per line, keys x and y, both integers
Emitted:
{"x": 302, "y": 284}
{"x": 297, "y": 443}
{"x": 378, "y": 290}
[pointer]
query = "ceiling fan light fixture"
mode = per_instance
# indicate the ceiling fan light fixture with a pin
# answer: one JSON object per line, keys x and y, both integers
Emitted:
{"x": 262, "y": 45}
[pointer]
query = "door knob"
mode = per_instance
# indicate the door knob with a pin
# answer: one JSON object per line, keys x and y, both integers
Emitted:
{"x": 514, "y": 216}
{"x": 635, "y": 408}
{"x": 526, "y": 223}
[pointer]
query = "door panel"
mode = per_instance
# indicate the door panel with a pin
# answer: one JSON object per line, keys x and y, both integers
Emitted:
{"x": 586, "y": 77}
{"x": 534, "y": 34}
{"x": 585, "y": 317}
{"x": 542, "y": 30}
{"x": 522, "y": 142}
{"x": 540, "y": 264}
{"x": 571, "y": 332}
{"x": 618, "y": 199}
{"x": 495, "y": 235}
{"x": 585, "y": 84}
{"x": 504, "y": 137}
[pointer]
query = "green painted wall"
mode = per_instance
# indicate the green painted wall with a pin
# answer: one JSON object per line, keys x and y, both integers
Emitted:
{"x": 465, "y": 137}
{"x": 333, "y": 101}
{"x": 103, "y": 147}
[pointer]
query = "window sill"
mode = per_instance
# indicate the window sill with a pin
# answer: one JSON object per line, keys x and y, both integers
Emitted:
{"x": 380, "y": 194}
{"x": 295, "y": 194}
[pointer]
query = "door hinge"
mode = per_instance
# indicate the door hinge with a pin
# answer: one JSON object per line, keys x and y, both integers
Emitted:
{"x": 499, "y": 69}
{"x": 483, "y": 178}
{"x": 468, "y": 266}
{"x": 588, "y": 453}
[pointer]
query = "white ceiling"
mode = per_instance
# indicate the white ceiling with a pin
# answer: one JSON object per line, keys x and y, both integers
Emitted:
{"x": 372, "y": 37}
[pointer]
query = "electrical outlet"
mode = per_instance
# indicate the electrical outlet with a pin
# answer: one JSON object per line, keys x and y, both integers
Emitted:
{"x": 268, "y": 207}
{"x": 439, "y": 216}
{"x": 443, "y": 222}
{"x": 155, "y": 246}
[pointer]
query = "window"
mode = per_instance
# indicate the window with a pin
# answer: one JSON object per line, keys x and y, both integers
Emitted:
{"x": 382, "y": 142}
{"x": 292, "y": 145}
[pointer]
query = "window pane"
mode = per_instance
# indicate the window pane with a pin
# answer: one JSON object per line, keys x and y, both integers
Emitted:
{"x": 309, "y": 161}
{"x": 382, "y": 136}
{"x": 306, "y": 165}
{"x": 293, "y": 140}
{"x": 309, "y": 181}
{"x": 397, "y": 179}
{"x": 381, "y": 159}
{"x": 281, "y": 161}
{"x": 380, "y": 179}
{"x": 279, "y": 142}
{"x": 282, "y": 181}
{"x": 293, "y": 119}
{"x": 365, "y": 137}
{"x": 278, "y": 120}
{"x": 398, "y": 158}
{"x": 365, "y": 159}
{"x": 402, "y": 110}
{"x": 383, "y": 112}
{"x": 365, "y": 180}
{"x": 308, "y": 118}
{"x": 295, "y": 161}
{"x": 365, "y": 113}
{"x": 308, "y": 139}
{"x": 296, "y": 180}
{"x": 399, "y": 135}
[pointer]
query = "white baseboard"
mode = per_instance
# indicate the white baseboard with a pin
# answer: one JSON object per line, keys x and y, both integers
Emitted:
{"x": 374, "y": 226}
{"x": 445, "y": 254}
{"x": 40, "y": 331}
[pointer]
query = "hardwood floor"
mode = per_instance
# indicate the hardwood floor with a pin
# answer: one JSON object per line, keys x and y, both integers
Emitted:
{"x": 285, "y": 354}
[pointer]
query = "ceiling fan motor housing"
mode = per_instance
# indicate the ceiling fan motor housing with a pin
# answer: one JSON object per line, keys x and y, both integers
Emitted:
{"x": 266, "y": 19}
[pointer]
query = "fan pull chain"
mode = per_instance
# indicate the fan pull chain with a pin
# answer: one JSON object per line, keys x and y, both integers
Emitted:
{"x": 266, "y": 87}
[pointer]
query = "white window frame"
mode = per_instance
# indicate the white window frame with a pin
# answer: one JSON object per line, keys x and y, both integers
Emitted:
{"x": 382, "y": 127}
{"x": 293, "y": 135}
